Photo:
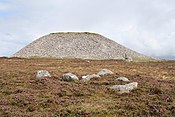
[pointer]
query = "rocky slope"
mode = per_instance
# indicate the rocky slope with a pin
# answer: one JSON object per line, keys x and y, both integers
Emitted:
{"x": 76, "y": 45}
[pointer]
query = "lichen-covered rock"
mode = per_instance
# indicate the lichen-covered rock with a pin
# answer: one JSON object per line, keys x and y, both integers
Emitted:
{"x": 123, "y": 79}
{"x": 104, "y": 72}
{"x": 125, "y": 88}
{"x": 70, "y": 77}
{"x": 42, "y": 74}
{"x": 88, "y": 77}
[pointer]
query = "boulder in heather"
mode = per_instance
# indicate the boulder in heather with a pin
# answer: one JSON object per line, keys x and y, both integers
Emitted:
{"x": 42, "y": 74}
{"x": 88, "y": 77}
{"x": 122, "y": 79}
{"x": 125, "y": 88}
{"x": 105, "y": 72}
{"x": 69, "y": 77}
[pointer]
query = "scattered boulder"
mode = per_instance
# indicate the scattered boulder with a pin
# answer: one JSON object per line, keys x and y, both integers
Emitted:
{"x": 88, "y": 77}
{"x": 42, "y": 74}
{"x": 70, "y": 77}
{"x": 125, "y": 88}
{"x": 104, "y": 72}
{"x": 122, "y": 79}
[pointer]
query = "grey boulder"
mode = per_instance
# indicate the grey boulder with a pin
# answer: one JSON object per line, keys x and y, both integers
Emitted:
{"x": 42, "y": 74}
{"x": 88, "y": 77}
{"x": 123, "y": 79}
{"x": 104, "y": 72}
{"x": 70, "y": 77}
{"x": 125, "y": 88}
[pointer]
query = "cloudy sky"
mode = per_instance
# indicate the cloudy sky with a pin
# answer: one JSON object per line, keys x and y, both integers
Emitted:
{"x": 146, "y": 26}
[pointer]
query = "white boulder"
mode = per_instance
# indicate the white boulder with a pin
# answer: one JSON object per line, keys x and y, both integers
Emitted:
{"x": 70, "y": 77}
{"x": 122, "y": 79}
{"x": 88, "y": 77}
{"x": 125, "y": 88}
{"x": 42, "y": 74}
{"x": 104, "y": 72}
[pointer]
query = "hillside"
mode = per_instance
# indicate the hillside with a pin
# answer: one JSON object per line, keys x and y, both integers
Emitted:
{"x": 21, "y": 94}
{"x": 82, "y": 45}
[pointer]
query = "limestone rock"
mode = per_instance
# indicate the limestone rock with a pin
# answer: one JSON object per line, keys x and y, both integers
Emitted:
{"x": 70, "y": 77}
{"x": 42, "y": 74}
{"x": 104, "y": 72}
{"x": 125, "y": 88}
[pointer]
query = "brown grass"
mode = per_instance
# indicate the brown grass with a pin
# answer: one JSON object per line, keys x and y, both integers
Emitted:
{"x": 22, "y": 95}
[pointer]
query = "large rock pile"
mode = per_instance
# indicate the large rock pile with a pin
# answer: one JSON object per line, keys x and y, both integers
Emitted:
{"x": 76, "y": 45}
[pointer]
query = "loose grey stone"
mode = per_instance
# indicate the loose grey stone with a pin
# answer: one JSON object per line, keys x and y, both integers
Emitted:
{"x": 104, "y": 72}
{"x": 125, "y": 88}
{"x": 83, "y": 45}
{"x": 42, "y": 74}
{"x": 123, "y": 79}
{"x": 69, "y": 77}
{"x": 88, "y": 77}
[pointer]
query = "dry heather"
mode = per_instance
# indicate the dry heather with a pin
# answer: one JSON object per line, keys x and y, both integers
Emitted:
{"x": 21, "y": 94}
{"x": 76, "y": 45}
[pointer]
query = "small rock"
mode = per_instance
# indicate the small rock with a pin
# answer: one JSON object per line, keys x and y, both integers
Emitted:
{"x": 129, "y": 59}
{"x": 85, "y": 78}
{"x": 125, "y": 88}
{"x": 123, "y": 79}
{"x": 69, "y": 77}
{"x": 42, "y": 74}
{"x": 126, "y": 58}
{"x": 104, "y": 72}
{"x": 88, "y": 77}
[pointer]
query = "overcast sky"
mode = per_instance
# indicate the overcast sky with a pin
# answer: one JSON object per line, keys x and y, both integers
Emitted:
{"x": 146, "y": 26}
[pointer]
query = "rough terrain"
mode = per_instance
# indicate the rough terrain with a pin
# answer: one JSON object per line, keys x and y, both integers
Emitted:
{"x": 21, "y": 94}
